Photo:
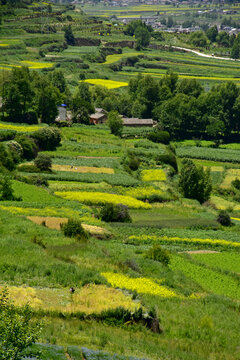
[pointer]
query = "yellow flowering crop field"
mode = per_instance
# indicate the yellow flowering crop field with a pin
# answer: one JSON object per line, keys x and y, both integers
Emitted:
{"x": 109, "y": 84}
{"x": 223, "y": 204}
{"x": 141, "y": 285}
{"x": 175, "y": 239}
{"x": 89, "y": 299}
{"x": 35, "y": 65}
{"x": 153, "y": 175}
{"x": 21, "y": 128}
{"x": 98, "y": 198}
{"x": 83, "y": 169}
{"x": 110, "y": 59}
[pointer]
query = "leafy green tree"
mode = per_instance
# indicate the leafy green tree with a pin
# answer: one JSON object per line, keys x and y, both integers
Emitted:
{"x": 198, "y": 39}
{"x": 68, "y": 35}
{"x": 43, "y": 162}
{"x": 18, "y": 95}
{"x": 82, "y": 105}
{"x": 235, "y": 50}
{"x": 48, "y": 99}
{"x": 190, "y": 87}
{"x": 195, "y": 182}
{"x": 6, "y": 190}
{"x": 17, "y": 328}
{"x": 170, "y": 80}
{"x": 142, "y": 36}
{"x": 212, "y": 33}
{"x": 115, "y": 123}
{"x": 223, "y": 38}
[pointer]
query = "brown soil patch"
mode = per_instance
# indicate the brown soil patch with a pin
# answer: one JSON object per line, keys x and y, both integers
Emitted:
{"x": 55, "y": 223}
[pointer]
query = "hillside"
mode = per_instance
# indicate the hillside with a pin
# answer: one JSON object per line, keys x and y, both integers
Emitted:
{"x": 117, "y": 252}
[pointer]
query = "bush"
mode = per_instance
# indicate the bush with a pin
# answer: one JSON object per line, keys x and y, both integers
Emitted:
{"x": 158, "y": 136}
{"x": 6, "y": 157}
{"x": 224, "y": 218}
{"x": 43, "y": 162}
{"x": 157, "y": 253}
{"x": 195, "y": 182}
{"x": 130, "y": 162}
{"x": 6, "y": 190}
{"x": 236, "y": 183}
{"x": 28, "y": 146}
{"x": 168, "y": 158}
{"x": 115, "y": 213}
{"x": 115, "y": 123}
{"x": 47, "y": 138}
{"x": 7, "y": 135}
{"x": 73, "y": 228}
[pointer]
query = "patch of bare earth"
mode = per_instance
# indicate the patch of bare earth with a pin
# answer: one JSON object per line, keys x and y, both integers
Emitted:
{"x": 55, "y": 223}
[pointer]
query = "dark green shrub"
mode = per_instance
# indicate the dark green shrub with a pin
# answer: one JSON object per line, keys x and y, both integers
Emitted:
{"x": 168, "y": 158}
{"x": 6, "y": 190}
{"x": 157, "y": 253}
{"x": 6, "y": 157}
{"x": 30, "y": 117}
{"x": 28, "y": 146}
{"x": 73, "y": 228}
{"x": 47, "y": 138}
{"x": 224, "y": 218}
{"x": 236, "y": 183}
{"x": 43, "y": 162}
{"x": 7, "y": 135}
{"x": 158, "y": 136}
{"x": 28, "y": 168}
{"x": 115, "y": 213}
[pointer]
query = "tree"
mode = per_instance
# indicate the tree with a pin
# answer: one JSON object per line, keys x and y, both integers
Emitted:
{"x": 6, "y": 190}
{"x": 212, "y": 33}
{"x": 195, "y": 182}
{"x": 142, "y": 36}
{"x": 48, "y": 99}
{"x": 68, "y": 35}
{"x": 198, "y": 39}
{"x": 43, "y": 162}
{"x": 115, "y": 123}
{"x": 17, "y": 329}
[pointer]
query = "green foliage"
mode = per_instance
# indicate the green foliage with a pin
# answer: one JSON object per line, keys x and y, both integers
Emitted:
{"x": 195, "y": 182}
{"x": 68, "y": 35}
{"x": 73, "y": 228}
{"x": 28, "y": 146}
{"x": 6, "y": 157}
{"x": 43, "y": 162}
{"x": 159, "y": 137}
{"x": 47, "y": 138}
{"x": 6, "y": 190}
{"x": 157, "y": 253}
{"x": 115, "y": 123}
{"x": 115, "y": 213}
{"x": 236, "y": 183}
{"x": 17, "y": 329}
{"x": 224, "y": 218}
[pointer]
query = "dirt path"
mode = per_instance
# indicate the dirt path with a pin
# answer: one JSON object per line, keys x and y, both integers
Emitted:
{"x": 203, "y": 55}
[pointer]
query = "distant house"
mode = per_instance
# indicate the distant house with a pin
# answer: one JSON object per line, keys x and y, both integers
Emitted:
{"x": 138, "y": 122}
{"x": 99, "y": 117}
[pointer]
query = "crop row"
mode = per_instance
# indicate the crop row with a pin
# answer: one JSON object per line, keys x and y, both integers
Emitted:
{"x": 153, "y": 175}
{"x": 113, "y": 179}
{"x": 209, "y": 280}
{"x": 224, "y": 260}
{"x": 194, "y": 152}
{"x": 195, "y": 241}
{"x": 98, "y": 198}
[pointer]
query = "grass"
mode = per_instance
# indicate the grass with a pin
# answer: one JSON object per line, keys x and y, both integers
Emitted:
{"x": 82, "y": 169}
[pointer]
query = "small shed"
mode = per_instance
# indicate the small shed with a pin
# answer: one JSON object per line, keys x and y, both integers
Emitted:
{"x": 138, "y": 122}
{"x": 99, "y": 117}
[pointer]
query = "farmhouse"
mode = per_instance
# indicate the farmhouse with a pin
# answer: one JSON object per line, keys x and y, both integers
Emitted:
{"x": 138, "y": 122}
{"x": 99, "y": 117}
